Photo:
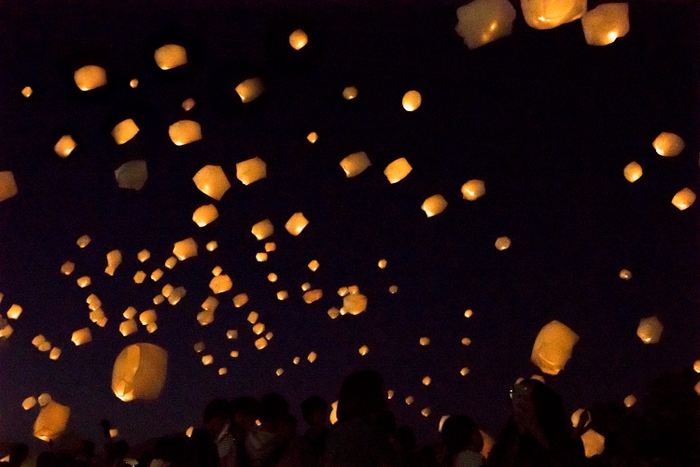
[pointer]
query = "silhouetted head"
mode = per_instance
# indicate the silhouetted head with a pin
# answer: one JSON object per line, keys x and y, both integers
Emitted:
{"x": 244, "y": 412}
{"x": 532, "y": 398}
{"x": 273, "y": 408}
{"x": 459, "y": 432}
{"x": 121, "y": 447}
{"x": 315, "y": 411}
{"x": 216, "y": 416}
{"x": 361, "y": 395}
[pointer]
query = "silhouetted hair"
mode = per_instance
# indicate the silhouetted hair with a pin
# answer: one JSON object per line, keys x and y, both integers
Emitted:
{"x": 273, "y": 407}
{"x": 201, "y": 450}
{"x": 549, "y": 410}
{"x": 458, "y": 433}
{"x": 216, "y": 408}
{"x": 361, "y": 395}
{"x": 121, "y": 447}
{"x": 246, "y": 405}
{"x": 312, "y": 405}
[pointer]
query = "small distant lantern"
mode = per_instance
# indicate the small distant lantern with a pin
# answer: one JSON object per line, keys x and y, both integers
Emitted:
{"x": 355, "y": 164}
{"x": 184, "y": 249}
{"x": 129, "y": 313}
{"x": 630, "y": 401}
{"x": 134, "y": 83}
{"x": 684, "y": 199}
{"x": 464, "y": 371}
{"x": 605, "y": 23}
{"x": 81, "y": 336}
{"x": 298, "y": 39}
{"x": 139, "y": 277}
{"x": 170, "y": 262}
{"x": 52, "y": 421}
{"x": 650, "y": 329}
{"x": 143, "y": 255}
{"x": 434, "y": 205}
{"x": 28, "y": 403}
{"x": 258, "y": 328}
{"x": 502, "y": 243}
{"x": 696, "y": 366}
{"x": 272, "y": 277}
{"x": 251, "y": 170}
{"x": 262, "y": 230}
{"x": 128, "y": 327}
{"x": 158, "y": 299}
{"x": 349, "y": 93}
{"x": 261, "y": 257}
{"x": 593, "y": 443}
{"x": 132, "y": 175}
{"x": 296, "y": 360}
{"x": 425, "y": 412}
{"x": 84, "y": 281}
{"x": 27, "y": 91}
{"x": 221, "y": 284}
{"x": 139, "y": 372}
{"x": 14, "y": 311}
{"x": 355, "y": 303}
{"x": 188, "y": 104}
{"x": 8, "y": 186}
{"x": 222, "y": 371}
{"x": 260, "y": 343}
{"x": 668, "y": 144}
{"x": 55, "y": 353}
{"x": 205, "y": 317}
{"x": 83, "y": 241}
{"x": 170, "y": 56}
{"x": 253, "y": 317}
{"x": 393, "y": 289}
{"x": 282, "y": 295}
{"x": 363, "y": 350}
{"x": 382, "y": 263}
{"x": 67, "y": 268}
{"x": 90, "y": 77}
{"x": 305, "y": 286}
{"x": 468, "y": 313}
{"x": 232, "y": 334}
{"x": 65, "y": 146}
{"x": 124, "y": 131}
{"x": 311, "y": 357}
{"x": 397, "y": 170}
{"x": 279, "y": 371}
{"x": 211, "y": 180}
{"x": 240, "y": 300}
{"x": 484, "y": 21}
{"x": 147, "y": 317}
{"x": 411, "y": 101}
{"x": 114, "y": 259}
{"x": 633, "y": 172}
{"x": 185, "y": 132}
{"x": 553, "y": 347}
{"x": 426, "y": 381}
{"x": 250, "y": 89}
{"x": 213, "y": 245}
{"x": 156, "y": 275}
{"x": 313, "y": 265}
{"x": 466, "y": 341}
{"x": 548, "y": 14}
{"x": 204, "y": 215}
{"x": 312, "y": 137}
{"x": 625, "y": 274}
{"x": 473, "y": 189}
{"x": 424, "y": 341}
{"x": 234, "y": 354}
{"x": 44, "y": 399}
{"x": 313, "y": 295}
{"x": 333, "y": 313}
{"x": 296, "y": 223}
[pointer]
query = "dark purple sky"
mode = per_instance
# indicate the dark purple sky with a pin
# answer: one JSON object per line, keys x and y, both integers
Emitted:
{"x": 546, "y": 121}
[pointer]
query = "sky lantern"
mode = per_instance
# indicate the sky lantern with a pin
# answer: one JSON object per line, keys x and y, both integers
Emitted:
{"x": 502, "y": 243}
{"x": 185, "y": 132}
{"x": 364, "y": 350}
{"x": 170, "y": 56}
{"x": 199, "y": 347}
{"x": 484, "y": 21}
{"x": 630, "y": 401}
{"x": 282, "y": 295}
{"x": 213, "y": 245}
{"x": 313, "y": 295}
{"x": 260, "y": 343}
{"x": 296, "y": 223}
{"x": 605, "y": 23}
{"x": 313, "y": 265}
{"x": 258, "y": 328}
{"x": 473, "y": 189}
{"x": 188, "y": 104}
{"x": 222, "y": 371}
{"x": 240, "y": 300}
{"x": 434, "y": 205}
{"x": 305, "y": 286}
{"x": 44, "y": 399}
{"x": 650, "y": 329}
{"x": 251, "y": 170}
{"x": 553, "y": 347}
{"x": 464, "y": 371}
{"x": 355, "y": 303}
{"x": 593, "y": 443}
{"x": 84, "y": 281}
{"x": 139, "y": 277}
{"x": 8, "y": 187}
{"x": 45, "y": 346}
{"x": 184, "y": 249}
{"x": 261, "y": 257}
{"x": 158, "y": 299}
{"x": 205, "y": 317}
{"x": 143, "y": 255}
{"x": 124, "y": 131}
{"x": 114, "y": 259}
{"x": 90, "y": 77}
{"x": 684, "y": 199}
{"x": 211, "y": 180}
{"x": 253, "y": 317}
{"x": 696, "y": 366}
{"x": 298, "y": 39}
{"x": 221, "y": 284}
{"x": 177, "y": 295}
{"x": 127, "y": 327}
{"x": 633, "y": 171}
{"x": 397, "y": 170}
{"x": 129, "y": 313}
{"x": 232, "y": 334}
{"x": 349, "y": 93}
{"x": 139, "y": 372}
{"x": 81, "y": 336}
{"x": 311, "y": 357}
{"x": 250, "y": 89}
{"x": 28, "y": 403}
{"x": 27, "y": 91}
{"x": 355, "y": 164}
{"x": 333, "y": 313}
{"x": 132, "y": 175}
{"x": 270, "y": 246}
{"x": 576, "y": 418}
{"x": 393, "y": 289}
{"x": 411, "y": 101}
{"x": 426, "y": 381}
{"x": 263, "y": 229}
{"x": 468, "y": 313}
{"x": 170, "y": 262}
{"x": 14, "y": 311}
{"x": 312, "y": 137}
{"x": 83, "y": 241}
{"x": 55, "y": 353}
{"x": 668, "y": 144}
{"x": 38, "y": 340}
{"x": 211, "y": 303}
{"x": 625, "y": 274}
{"x": 148, "y": 316}
{"x": 548, "y": 14}
{"x": 134, "y": 83}
{"x": 65, "y": 146}
{"x": 6, "y": 331}
{"x": 205, "y": 215}
{"x": 52, "y": 421}
{"x": 423, "y": 341}
{"x": 382, "y": 263}
{"x": 217, "y": 271}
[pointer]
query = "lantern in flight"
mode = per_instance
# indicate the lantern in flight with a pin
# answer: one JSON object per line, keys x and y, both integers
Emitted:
{"x": 52, "y": 421}
{"x": 354, "y": 303}
{"x": 397, "y": 170}
{"x": 668, "y": 144}
{"x": 221, "y": 284}
{"x": 298, "y": 39}
{"x": 81, "y": 336}
{"x": 593, "y": 443}
{"x": 240, "y": 300}
{"x": 184, "y": 249}
{"x": 114, "y": 259}
{"x": 313, "y": 295}
{"x": 124, "y": 131}
{"x": 64, "y": 146}
{"x": 127, "y": 327}
{"x": 263, "y": 229}
{"x": 251, "y": 170}
{"x": 349, "y": 93}
{"x": 90, "y": 77}
{"x": 14, "y": 311}
{"x": 605, "y": 23}
{"x": 132, "y": 175}
{"x": 684, "y": 199}
{"x": 434, "y": 205}
{"x": 184, "y": 132}
{"x": 27, "y": 91}
{"x": 473, "y": 189}
{"x": 211, "y": 180}
{"x": 502, "y": 243}
{"x": 633, "y": 171}
{"x": 411, "y": 101}
{"x": 553, "y": 347}
{"x": 250, "y": 89}
{"x": 548, "y": 14}
{"x": 8, "y": 187}
{"x": 139, "y": 372}
{"x": 484, "y": 21}
{"x": 355, "y": 164}
{"x": 170, "y": 56}
{"x": 205, "y": 215}
{"x": 296, "y": 223}
{"x": 650, "y": 329}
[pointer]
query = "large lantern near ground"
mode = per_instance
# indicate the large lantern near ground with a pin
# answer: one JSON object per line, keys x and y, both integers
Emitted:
{"x": 553, "y": 347}
{"x": 52, "y": 421}
{"x": 139, "y": 372}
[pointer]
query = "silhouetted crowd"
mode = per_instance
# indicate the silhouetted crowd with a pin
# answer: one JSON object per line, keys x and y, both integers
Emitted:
{"x": 664, "y": 431}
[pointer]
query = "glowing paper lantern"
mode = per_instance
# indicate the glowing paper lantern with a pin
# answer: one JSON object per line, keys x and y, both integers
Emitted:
{"x": 199, "y": 347}
{"x": 177, "y": 294}
{"x": 158, "y": 299}
{"x": 52, "y": 421}
{"x": 473, "y": 189}
{"x": 426, "y": 381}
{"x": 93, "y": 301}
{"x": 124, "y": 131}
{"x": 28, "y": 403}
{"x": 576, "y": 418}
{"x": 6, "y": 331}
{"x": 434, "y": 205}
{"x": 279, "y": 371}
{"x": 170, "y": 56}
{"x": 97, "y": 315}
{"x": 84, "y": 281}
{"x": 143, "y": 255}
{"x": 232, "y": 334}
{"x": 147, "y": 317}
{"x": 217, "y": 271}
{"x": 333, "y": 313}
{"x": 45, "y": 346}
{"x": 424, "y": 341}
{"x": 114, "y": 259}
{"x": 90, "y": 77}
{"x": 684, "y": 199}
{"x": 134, "y": 83}
{"x": 466, "y": 341}
{"x": 464, "y": 371}
{"x": 263, "y": 229}
{"x": 211, "y": 180}
{"x": 55, "y": 353}
{"x": 296, "y": 223}
{"x": 633, "y": 171}
{"x": 425, "y": 412}
{"x": 313, "y": 295}
{"x": 605, "y": 23}
{"x": 27, "y": 91}
{"x": 298, "y": 39}
{"x": 393, "y": 289}
{"x": 411, "y": 101}
{"x": 349, "y": 93}
{"x": 184, "y": 132}
{"x": 221, "y": 284}
{"x": 282, "y": 295}
{"x": 354, "y": 303}
{"x": 625, "y": 274}
{"x": 205, "y": 317}
{"x": 44, "y": 399}
{"x": 64, "y": 146}
{"x": 151, "y": 327}
{"x": 261, "y": 257}
{"x": 222, "y": 371}
{"x": 630, "y": 401}
{"x": 253, "y": 317}
{"x": 553, "y": 347}
{"x": 548, "y": 14}
{"x": 234, "y": 354}
{"x": 188, "y": 104}
{"x": 260, "y": 343}
{"x": 170, "y": 262}
{"x": 312, "y": 137}
{"x": 502, "y": 243}
{"x": 258, "y": 328}
{"x": 67, "y": 268}
{"x": 468, "y": 313}
{"x": 484, "y": 21}
{"x": 250, "y": 89}
{"x": 38, "y": 340}
{"x": 355, "y": 164}
{"x": 240, "y": 300}
{"x": 184, "y": 249}
{"x": 305, "y": 286}
{"x": 363, "y": 350}
{"x": 313, "y": 265}
{"x": 139, "y": 372}
{"x": 14, "y": 311}
{"x": 8, "y": 187}
{"x": 650, "y": 329}
{"x": 251, "y": 170}
{"x": 397, "y": 170}
{"x": 593, "y": 443}
{"x": 83, "y": 241}
{"x": 668, "y": 144}
{"x": 132, "y": 175}
{"x": 211, "y": 303}
{"x": 81, "y": 336}
{"x": 205, "y": 215}
{"x": 156, "y": 275}
{"x": 382, "y": 263}
{"x": 311, "y": 357}
{"x": 127, "y": 327}
{"x": 139, "y": 277}
{"x": 213, "y": 245}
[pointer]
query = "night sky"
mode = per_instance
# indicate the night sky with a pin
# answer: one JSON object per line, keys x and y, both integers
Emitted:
{"x": 545, "y": 120}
